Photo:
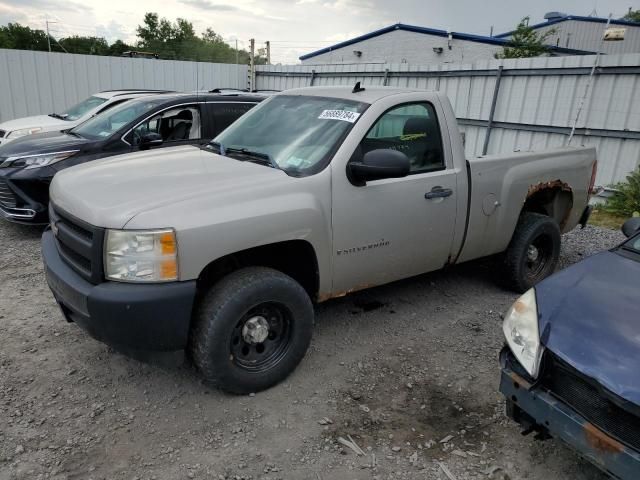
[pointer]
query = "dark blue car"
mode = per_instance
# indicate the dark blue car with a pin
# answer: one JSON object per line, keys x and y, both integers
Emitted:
{"x": 571, "y": 367}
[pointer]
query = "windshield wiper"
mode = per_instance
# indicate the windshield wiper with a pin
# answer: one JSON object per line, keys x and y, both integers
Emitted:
{"x": 257, "y": 157}
{"x": 627, "y": 248}
{"x": 71, "y": 132}
{"x": 57, "y": 115}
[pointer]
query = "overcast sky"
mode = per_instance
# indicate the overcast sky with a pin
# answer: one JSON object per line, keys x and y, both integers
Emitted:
{"x": 294, "y": 27}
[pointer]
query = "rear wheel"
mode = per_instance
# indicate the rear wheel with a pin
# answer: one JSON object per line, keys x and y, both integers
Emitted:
{"x": 533, "y": 252}
{"x": 251, "y": 330}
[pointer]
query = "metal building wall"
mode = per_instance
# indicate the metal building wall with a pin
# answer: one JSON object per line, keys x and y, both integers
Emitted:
{"x": 588, "y": 36}
{"x": 35, "y": 83}
{"x": 535, "y": 108}
{"x": 400, "y": 46}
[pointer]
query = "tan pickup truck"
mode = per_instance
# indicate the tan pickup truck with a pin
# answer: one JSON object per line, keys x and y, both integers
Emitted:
{"x": 317, "y": 192}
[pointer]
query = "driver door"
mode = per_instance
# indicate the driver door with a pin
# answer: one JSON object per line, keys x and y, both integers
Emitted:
{"x": 388, "y": 229}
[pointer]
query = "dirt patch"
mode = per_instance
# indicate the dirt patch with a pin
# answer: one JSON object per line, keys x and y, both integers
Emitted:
{"x": 419, "y": 411}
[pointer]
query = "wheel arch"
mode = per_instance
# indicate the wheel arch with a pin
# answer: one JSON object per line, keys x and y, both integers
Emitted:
{"x": 296, "y": 258}
{"x": 554, "y": 199}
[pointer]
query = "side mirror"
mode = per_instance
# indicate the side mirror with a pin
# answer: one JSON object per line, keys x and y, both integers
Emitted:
{"x": 631, "y": 227}
{"x": 379, "y": 164}
{"x": 151, "y": 139}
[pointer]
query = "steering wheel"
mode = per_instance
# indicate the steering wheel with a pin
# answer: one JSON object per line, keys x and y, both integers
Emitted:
{"x": 137, "y": 137}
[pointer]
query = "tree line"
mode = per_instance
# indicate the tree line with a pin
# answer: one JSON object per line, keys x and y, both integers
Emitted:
{"x": 169, "y": 40}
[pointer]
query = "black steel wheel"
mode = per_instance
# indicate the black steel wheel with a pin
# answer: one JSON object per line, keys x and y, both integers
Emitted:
{"x": 539, "y": 254}
{"x": 261, "y": 339}
{"x": 251, "y": 329}
{"x": 533, "y": 252}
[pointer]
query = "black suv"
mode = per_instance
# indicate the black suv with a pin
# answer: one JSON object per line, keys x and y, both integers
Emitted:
{"x": 27, "y": 165}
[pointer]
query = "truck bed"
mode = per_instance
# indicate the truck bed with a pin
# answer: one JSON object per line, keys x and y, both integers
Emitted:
{"x": 501, "y": 184}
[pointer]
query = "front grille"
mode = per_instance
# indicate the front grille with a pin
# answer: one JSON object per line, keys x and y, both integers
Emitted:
{"x": 602, "y": 408}
{"x": 7, "y": 197}
{"x": 79, "y": 243}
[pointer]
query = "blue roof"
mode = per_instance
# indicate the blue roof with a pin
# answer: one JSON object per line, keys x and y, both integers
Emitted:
{"x": 576, "y": 18}
{"x": 431, "y": 31}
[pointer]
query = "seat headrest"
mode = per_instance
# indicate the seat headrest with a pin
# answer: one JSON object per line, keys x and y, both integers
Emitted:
{"x": 416, "y": 125}
{"x": 185, "y": 115}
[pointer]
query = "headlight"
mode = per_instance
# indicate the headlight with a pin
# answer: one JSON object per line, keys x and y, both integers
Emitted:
{"x": 24, "y": 131}
{"x": 521, "y": 331}
{"x": 141, "y": 255}
{"x": 36, "y": 161}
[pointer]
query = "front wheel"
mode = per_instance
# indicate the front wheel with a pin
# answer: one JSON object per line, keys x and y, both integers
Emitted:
{"x": 533, "y": 252}
{"x": 251, "y": 330}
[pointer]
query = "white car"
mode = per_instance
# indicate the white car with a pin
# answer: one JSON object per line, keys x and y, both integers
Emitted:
{"x": 71, "y": 117}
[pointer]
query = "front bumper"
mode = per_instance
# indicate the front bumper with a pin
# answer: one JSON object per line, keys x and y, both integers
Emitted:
{"x": 154, "y": 318}
{"x": 536, "y": 409}
{"x": 19, "y": 205}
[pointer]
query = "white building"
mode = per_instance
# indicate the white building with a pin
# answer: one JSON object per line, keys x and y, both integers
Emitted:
{"x": 402, "y": 43}
{"x": 585, "y": 33}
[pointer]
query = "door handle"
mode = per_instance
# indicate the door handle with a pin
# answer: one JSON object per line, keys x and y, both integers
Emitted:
{"x": 438, "y": 192}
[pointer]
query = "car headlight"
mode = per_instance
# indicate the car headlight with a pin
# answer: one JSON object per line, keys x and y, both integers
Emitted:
{"x": 520, "y": 328}
{"x": 141, "y": 255}
{"x": 24, "y": 131}
{"x": 36, "y": 161}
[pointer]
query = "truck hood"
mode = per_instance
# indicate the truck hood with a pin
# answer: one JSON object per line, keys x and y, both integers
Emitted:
{"x": 588, "y": 316}
{"x": 108, "y": 193}
{"x": 43, "y": 121}
{"x": 37, "y": 143}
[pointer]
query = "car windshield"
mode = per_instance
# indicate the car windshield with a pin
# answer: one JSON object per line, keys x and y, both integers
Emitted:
{"x": 77, "y": 111}
{"x": 106, "y": 124}
{"x": 297, "y": 134}
{"x": 633, "y": 244}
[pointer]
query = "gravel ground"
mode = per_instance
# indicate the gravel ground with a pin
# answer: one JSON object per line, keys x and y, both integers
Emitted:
{"x": 409, "y": 370}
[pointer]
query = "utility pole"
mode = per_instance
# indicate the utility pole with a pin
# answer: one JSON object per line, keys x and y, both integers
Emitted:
{"x": 236, "y": 51}
{"x": 48, "y": 36}
{"x": 252, "y": 64}
{"x": 268, "y": 52}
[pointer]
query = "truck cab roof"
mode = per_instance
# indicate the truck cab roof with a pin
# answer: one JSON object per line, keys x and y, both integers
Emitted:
{"x": 367, "y": 95}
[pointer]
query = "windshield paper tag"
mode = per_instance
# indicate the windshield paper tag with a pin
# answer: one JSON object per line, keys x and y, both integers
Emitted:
{"x": 343, "y": 115}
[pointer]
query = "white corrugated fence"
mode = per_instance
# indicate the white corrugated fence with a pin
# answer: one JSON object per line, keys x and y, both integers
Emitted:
{"x": 535, "y": 106}
{"x": 33, "y": 83}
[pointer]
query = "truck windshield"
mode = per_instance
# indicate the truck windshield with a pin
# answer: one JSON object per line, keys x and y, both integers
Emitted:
{"x": 107, "y": 123}
{"x": 298, "y": 134}
{"x": 77, "y": 111}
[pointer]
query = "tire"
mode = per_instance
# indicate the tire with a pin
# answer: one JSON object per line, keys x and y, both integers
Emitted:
{"x": 523, "y": 267}
{"x": 251, "y": 330}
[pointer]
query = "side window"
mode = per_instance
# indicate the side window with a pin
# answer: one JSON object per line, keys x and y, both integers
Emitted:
{"x": 412, "y": 129}
{"x": 227, "y": 113}
{"x": 174, "y": 125}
